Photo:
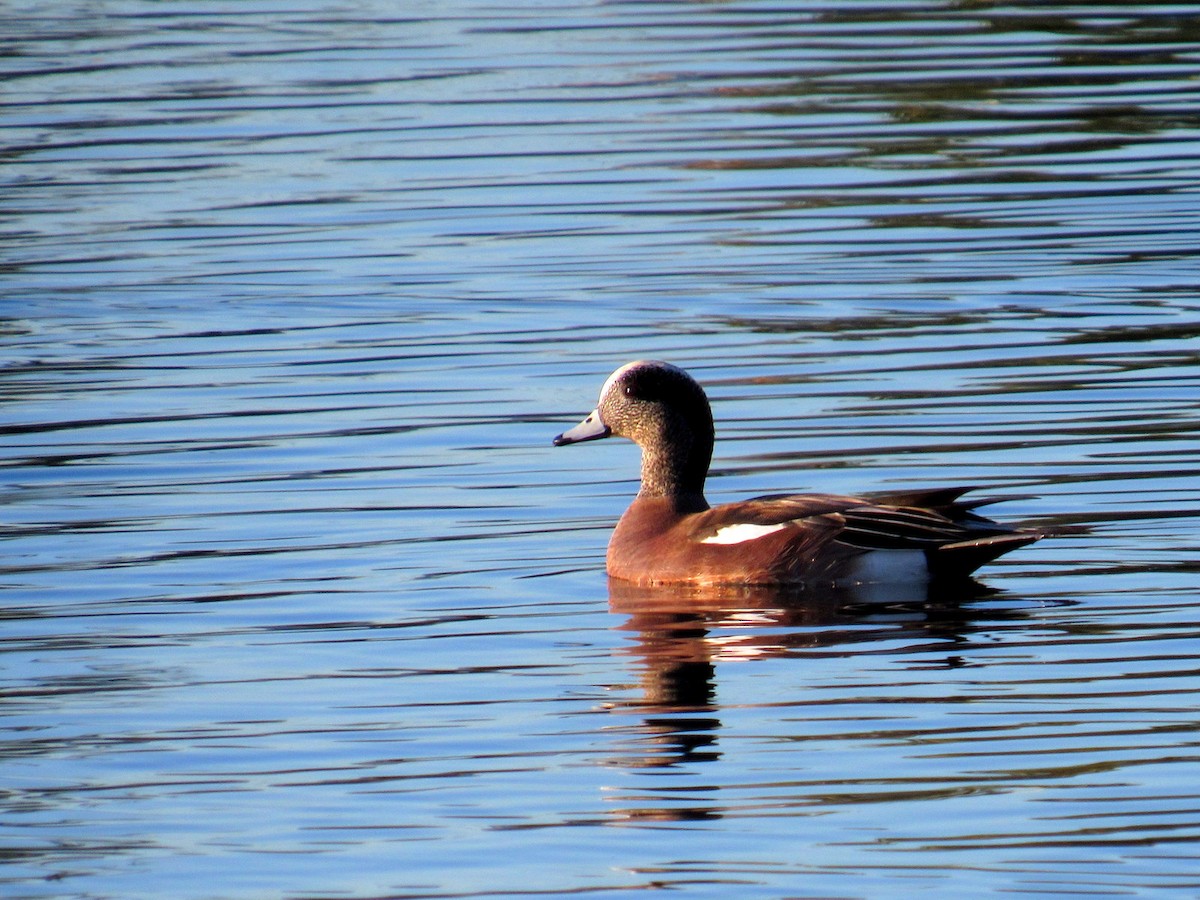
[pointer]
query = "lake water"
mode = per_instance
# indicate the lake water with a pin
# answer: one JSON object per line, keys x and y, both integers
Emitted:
{"x": 300, "y": 602}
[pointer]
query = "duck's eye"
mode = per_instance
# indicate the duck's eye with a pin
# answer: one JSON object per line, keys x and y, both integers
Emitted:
{"x": 643, "y": 386}
{"x": 639, "y": 389}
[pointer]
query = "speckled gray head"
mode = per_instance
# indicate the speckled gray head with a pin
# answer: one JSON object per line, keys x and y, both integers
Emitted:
{"x": 628, "y": 381}
{"x": 664, "y": 411}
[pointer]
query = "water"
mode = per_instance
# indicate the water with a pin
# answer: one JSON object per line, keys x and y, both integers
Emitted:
{"x": 301, "y": 603}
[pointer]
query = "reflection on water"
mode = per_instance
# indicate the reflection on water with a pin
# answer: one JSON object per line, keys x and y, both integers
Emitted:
{"x": 299, "y": 601}
{"x": 680, "y": 635}
{"x": 747, "y": 623}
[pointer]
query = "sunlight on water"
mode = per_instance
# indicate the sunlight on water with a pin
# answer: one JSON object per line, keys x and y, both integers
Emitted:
{"x": 301, "y": 602}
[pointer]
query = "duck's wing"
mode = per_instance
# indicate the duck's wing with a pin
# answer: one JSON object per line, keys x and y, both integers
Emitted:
{"x": 955, "y": 539}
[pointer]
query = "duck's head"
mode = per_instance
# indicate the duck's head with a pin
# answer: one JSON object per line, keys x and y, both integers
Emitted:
{"x": 664, "y": 411}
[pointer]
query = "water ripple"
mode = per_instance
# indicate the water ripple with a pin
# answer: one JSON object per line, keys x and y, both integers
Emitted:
{"x": 296, "y": 296}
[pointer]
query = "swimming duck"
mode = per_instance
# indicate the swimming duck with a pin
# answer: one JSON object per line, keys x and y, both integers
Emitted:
{"x": 670, "y": 534}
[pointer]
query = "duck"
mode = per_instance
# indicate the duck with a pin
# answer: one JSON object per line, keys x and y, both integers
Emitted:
{"x": 670, "y": 535}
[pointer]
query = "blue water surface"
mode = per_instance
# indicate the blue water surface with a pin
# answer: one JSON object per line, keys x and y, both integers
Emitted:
{"x": 301, "y": 603}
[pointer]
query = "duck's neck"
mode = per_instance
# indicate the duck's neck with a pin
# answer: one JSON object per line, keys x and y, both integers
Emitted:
{"x": 674, "y": 468}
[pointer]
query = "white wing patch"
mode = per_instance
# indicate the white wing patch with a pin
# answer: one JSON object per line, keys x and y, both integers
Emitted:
{"x": 739, "y": 534}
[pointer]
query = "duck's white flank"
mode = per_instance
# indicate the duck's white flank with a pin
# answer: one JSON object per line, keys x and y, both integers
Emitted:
{"x": 889, "y": 566}
{"x": 739, "y": 534}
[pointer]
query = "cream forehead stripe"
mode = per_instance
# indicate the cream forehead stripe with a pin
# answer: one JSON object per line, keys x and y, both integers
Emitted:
{"x": 616, "y": 376}
{"x": 612, "y": 379}
{"x": 737, "y": 534}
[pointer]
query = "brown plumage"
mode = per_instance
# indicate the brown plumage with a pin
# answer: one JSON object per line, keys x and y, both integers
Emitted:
{"x": 670, "y": 535}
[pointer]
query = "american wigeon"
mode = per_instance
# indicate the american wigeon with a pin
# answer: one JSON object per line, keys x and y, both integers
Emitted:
{"x": 670, "y": 535}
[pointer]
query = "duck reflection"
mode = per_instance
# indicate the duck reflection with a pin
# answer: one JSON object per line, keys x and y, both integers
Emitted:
{"x": 679, "y": 635}
{"x": 680, "y": 632}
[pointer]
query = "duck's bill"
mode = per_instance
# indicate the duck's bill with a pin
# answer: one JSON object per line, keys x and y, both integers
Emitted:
{"x": 590, "y": 429}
